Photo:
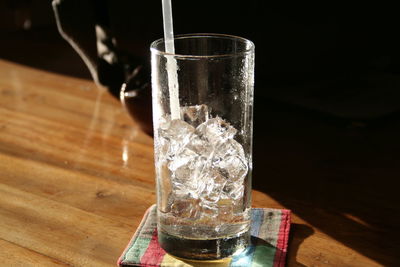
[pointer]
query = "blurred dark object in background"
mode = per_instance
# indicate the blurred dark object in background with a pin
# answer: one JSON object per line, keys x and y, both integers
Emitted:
{"x": 17, "y": 15}
{"x": 39, "y": 45}
{"x": 86, "y": 27}
{"x": 338, "y": 60}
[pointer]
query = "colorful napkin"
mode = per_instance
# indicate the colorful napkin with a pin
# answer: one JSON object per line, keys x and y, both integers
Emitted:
{"x": 269, "y": 231}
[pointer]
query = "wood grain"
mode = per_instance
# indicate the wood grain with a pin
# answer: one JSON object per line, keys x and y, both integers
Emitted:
{"x": 15, "y": 255}
{"x": 76, "y": 175}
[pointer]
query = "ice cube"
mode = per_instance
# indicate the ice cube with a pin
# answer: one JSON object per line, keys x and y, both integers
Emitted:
{"x": 233, "y": 168}
{"x": 229, "y": 159}
{"x": 176, "y": 130}
{"x": 195, "y": 115}
{"x": 214, "y": 183}
{"x": 183, "y": 184}
{"x": 173, "y": 136}
{"x": 186, "y": 208}
{"x": 229, "y": 148}
{"x": 199, "y": 146}
{"x": 181, "y": 190}
{"x": 187, "y": 178}
{"x": 215, "y": 131}
{"x": 233, "y": 190}
{"x": 183, "y": 158}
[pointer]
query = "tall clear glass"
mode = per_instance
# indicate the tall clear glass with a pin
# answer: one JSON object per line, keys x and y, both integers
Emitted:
{"x": 203, "y": 153}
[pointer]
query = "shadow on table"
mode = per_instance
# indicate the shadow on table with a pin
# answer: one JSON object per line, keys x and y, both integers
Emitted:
{"x": 298, "y": 233}
{"x": 341, "y": 176}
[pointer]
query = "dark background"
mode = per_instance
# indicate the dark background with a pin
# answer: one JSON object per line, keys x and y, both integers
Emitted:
{"x": 341, "y": 60}
{"x": 327, "y": 99}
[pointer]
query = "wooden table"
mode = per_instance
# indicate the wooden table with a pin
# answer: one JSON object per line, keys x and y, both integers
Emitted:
{"x": 76, "y": 176}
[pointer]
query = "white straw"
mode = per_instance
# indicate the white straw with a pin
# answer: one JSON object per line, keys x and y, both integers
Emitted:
{"x": 172, "y": 69}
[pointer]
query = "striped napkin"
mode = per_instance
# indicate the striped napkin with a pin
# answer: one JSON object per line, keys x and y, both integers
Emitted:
{"x": 269, "y": 238}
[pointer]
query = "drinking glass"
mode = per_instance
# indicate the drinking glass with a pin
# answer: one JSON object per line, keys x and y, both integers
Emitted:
{"x": 203, "y": 153}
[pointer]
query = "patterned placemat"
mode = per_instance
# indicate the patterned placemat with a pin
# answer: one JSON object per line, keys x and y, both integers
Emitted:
{"x": 269, "y": 238}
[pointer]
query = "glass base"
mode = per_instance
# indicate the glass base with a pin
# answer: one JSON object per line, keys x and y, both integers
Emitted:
{"x": 203, "y": 249}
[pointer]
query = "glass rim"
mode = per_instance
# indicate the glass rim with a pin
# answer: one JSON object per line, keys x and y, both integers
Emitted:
{"x": 249, "y": 49}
